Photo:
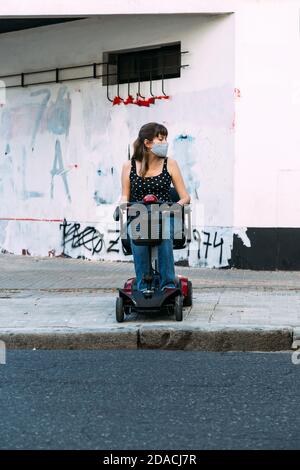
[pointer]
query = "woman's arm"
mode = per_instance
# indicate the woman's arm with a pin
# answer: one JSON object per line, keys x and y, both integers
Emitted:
{"x": 179, "y": 183}
{"x": 125, "y": 181}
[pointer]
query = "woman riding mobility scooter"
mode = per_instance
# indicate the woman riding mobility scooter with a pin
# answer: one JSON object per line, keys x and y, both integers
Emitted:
{"x": 154, "y": 299}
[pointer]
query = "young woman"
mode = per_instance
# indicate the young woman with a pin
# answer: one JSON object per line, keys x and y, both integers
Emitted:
{"x": 150, "y": 171}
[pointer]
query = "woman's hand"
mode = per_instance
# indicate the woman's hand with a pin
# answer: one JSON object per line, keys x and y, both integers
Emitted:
{"x": 182, "y": 202}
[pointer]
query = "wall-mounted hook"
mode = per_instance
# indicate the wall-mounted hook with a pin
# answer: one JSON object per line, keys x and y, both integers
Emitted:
{"x": 162, "y": 78}
{"x": 118, "y": 99}
{"x": 118, "y": 91}
{"x": 129, "y": 99}
{"x": 107, "y": 79}
{"x": 139, "y": 85}
{"x": 151, "y": 85}
{"x": 162, "y": 84}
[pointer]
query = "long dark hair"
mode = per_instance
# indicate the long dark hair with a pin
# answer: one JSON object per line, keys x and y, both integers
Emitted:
{"x": 147, "y": 131}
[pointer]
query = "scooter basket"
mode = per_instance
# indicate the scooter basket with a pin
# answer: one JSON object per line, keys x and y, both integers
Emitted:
{"x": 149, "y": 229}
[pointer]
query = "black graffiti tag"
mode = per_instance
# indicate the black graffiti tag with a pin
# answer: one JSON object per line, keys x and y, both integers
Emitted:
{"x": 215, "y": 245}
{"x": 113, "y": 242}
{"x": 197, "y": 238}
{"x": 207, "y": 243}
{"x": 90, "y": 237}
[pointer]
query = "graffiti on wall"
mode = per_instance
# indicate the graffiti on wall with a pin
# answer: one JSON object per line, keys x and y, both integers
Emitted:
{"x": 89, "y": 237}
{"x": 208, "y": 247}
{"x": 61, "y": 155}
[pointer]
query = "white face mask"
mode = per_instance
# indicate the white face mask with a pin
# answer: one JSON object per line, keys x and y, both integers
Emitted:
{"x": 160, "y": 149}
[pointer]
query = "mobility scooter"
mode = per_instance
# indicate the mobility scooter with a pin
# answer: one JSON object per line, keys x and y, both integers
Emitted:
{"x": 153, "y": 299}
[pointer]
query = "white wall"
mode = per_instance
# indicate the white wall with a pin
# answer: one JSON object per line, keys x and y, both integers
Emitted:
{"x": 266, "y": 74}
{"x": 75, "y": 120}
{"x": 267, "y": 133}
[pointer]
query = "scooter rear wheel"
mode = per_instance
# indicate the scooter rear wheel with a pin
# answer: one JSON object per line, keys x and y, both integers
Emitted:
{"x": 188, "y": 301}
{"x": 119, "y": 310}
{"x": 178, "y": 307}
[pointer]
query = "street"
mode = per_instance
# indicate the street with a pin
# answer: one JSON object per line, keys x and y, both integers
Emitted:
{"x": 148, "y": 399}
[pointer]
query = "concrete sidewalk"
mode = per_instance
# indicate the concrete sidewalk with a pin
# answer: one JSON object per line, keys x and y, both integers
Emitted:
{"x": 70, "y": 303}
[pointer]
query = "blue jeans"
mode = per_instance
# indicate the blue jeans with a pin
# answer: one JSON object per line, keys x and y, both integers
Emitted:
{"x": 165, "y": 259}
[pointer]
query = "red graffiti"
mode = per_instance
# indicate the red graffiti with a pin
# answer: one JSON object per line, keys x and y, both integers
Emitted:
{"x": 31, "y": 220}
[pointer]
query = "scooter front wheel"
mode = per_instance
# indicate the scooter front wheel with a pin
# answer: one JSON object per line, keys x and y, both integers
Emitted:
{"x": 119, "y": 310}
{"x": 178, "y": 308}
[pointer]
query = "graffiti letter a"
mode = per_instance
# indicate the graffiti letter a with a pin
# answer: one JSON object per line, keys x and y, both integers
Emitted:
{"x": 58, "y": 169}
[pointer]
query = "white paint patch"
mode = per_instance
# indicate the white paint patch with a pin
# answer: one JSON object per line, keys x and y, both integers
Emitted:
{"x": 241, "y": 233}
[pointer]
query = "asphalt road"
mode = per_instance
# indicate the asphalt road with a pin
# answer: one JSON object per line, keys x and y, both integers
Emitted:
{"x": 149, "y": 400}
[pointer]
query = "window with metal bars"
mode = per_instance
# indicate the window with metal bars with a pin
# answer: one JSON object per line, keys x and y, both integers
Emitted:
{"x": 143, "y": 64}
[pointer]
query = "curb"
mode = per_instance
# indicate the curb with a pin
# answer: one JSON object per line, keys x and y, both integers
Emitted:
{"x": 66, "y": 338}
{"x": 221, "y": 338}
{"x": 188, "y": 338}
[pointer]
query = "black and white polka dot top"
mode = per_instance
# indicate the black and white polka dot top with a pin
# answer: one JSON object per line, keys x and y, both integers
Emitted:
{"x": 158, "y": 185}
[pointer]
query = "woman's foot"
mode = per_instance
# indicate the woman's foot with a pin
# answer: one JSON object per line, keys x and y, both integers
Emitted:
{"x": 168, "y": 287}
